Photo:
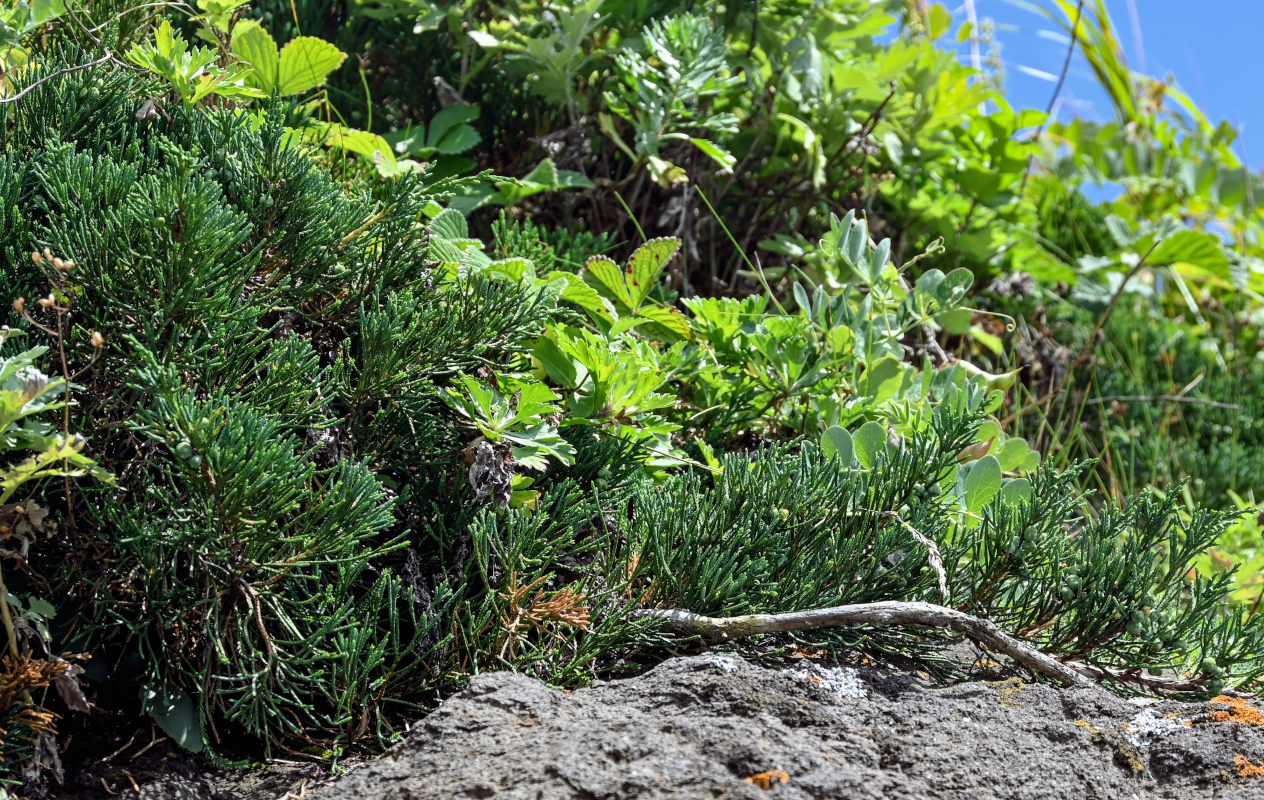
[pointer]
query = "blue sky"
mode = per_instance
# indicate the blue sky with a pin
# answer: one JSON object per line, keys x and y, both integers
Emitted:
{"x": 1213, "y": 48}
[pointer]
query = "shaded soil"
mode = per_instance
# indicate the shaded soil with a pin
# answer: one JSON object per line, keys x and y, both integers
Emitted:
{"x": 715, "y": 726}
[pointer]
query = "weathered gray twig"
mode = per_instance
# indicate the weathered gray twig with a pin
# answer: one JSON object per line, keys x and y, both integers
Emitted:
{"x": 107, "y": 57}
{"x": 932, "y": 554}
{"x": 928, "y": 615}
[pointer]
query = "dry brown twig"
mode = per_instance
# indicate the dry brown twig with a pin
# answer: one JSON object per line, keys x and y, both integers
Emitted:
{"x": 566, "y": 606}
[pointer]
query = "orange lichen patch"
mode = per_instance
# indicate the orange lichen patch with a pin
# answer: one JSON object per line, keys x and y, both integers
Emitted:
{"x": 1248, "y": 770}
{"x": 1238, "y": 711}
{"x": 814, "y": 679}
{"x": 765, "y": 780}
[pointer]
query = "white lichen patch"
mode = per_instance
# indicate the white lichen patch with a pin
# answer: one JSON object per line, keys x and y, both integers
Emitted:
{"x": 722, "y": 663}
{"x": 1149, "y": 724}
{"x": 841, "y": 681}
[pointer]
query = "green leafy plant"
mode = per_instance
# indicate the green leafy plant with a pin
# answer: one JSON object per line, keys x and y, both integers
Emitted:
{"x": 518, "y": 418}
{"x": 665, "y": 93}
{"x": 192, "y": 74}
{"x": 16, "y": 22}
{"x": 303, "y": 64}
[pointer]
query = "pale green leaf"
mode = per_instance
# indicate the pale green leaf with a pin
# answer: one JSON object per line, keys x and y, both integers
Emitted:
{"x": 667, "y": 317}
{"x": 306, "y": 63}
{"x": 253, "y": 44}
{"x": 869, "y": 442}
{"x": 836, "y": 443}
{"x": 610, "y": 276}
{"x": 983, "y": 483}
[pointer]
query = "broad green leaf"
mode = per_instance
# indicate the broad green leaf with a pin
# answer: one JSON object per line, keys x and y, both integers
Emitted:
{"x": 458, "y": 140}
{"x": 38, "y": 605}
{"x": 450, "y": 224}
{"x": 306, "y": 63}
{"x": 881, "y": 380}
{"x": 611, "y": 277}
{"x": 869, "y": 442}
{"x": 669, "y": 318}
{"x": 1197, "y": 248}
{"x": 544, "y": 174}
{"x": 176, "y": 713}
{"x": 514, "y": 268}
{"x": 983, "y": 482}
{"x": 448, "y": 118}
{"x": 253, "y": 44}
{"x": 560, "y": 367}
{"x": 1016, "y": 491}
{"x": 836, "y": 443}
{"x": 584, "y": 296}
{"x": 449, "y": 132}
{"x": 1012, "y": 454}
{"x": 954, "y": 287}
{"x": 623, "y": 325}
{"x": 646, "y": 265}
{"x": 359, "y": 142}
{"x": 940, "y": 21}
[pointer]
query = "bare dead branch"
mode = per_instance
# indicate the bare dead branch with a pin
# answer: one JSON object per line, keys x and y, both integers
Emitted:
{"x": 928, "y": 615}
{"x": 107, "y": 57}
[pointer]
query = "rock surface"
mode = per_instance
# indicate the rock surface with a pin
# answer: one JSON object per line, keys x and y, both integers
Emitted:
{"x": 702, "y": 727}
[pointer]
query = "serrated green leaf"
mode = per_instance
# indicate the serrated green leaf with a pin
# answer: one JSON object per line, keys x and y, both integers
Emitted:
{"x": 253, "y": 44}
{"x": 1197, "y": 248}
{"x": 359, "y": 142}
{"x": 669, "y": 318}
{"x": 40, "y": 606}
{"x": 450, "y": 225}
{"x": 716, "y": 153}
{"x": 544, "y": 174}
{"x": 306, "y": 63}
{"x": 581, "y": 294}
{"x": 610, "y": 276}
{"x": 646, "y": 265}
{"x": 516, "y": 269}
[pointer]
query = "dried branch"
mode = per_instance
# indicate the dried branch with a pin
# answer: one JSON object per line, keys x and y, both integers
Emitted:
{"x": 103, "y": 59}
{"x": 928, "y": 615}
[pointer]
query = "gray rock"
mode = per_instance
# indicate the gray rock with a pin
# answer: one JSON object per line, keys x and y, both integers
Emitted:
{"x": 698, "y": 727}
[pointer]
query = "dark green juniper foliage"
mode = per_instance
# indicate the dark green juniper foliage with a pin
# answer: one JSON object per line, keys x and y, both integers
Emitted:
{"x": 274, "y": 344}
{"x": 1109, "y": 591}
